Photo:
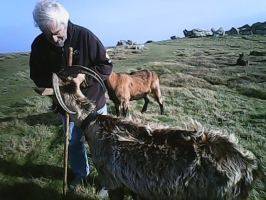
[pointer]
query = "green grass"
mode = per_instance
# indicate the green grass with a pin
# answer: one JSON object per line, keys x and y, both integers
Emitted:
{"x": 198, "y": 80}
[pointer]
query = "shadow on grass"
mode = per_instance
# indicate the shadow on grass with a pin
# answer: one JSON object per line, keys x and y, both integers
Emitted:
{"x": 44, "y": 118}
{"x": 29, "y": 170}
{"x": 30, "y": 191}
{"x": 32, "y": 120}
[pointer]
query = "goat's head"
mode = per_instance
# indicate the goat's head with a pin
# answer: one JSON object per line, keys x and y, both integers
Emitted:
{"x": 66, "y": 88}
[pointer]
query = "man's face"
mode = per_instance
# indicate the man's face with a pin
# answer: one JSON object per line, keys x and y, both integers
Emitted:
{"x": 55, "y": 33}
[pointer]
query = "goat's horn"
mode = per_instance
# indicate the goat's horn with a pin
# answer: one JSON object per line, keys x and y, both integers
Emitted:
{"x": 76, "y": 69}
{"x": 93, "y": 74}
{"x": 58, "y": 94}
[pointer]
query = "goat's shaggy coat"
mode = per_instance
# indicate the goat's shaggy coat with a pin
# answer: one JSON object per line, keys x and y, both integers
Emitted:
{"x": 167, "y": 163}
{"x": 125, "y": 87}
{"x": 170, "y": 163}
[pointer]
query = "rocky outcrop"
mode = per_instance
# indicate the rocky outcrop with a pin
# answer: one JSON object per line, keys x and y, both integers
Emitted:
{"x": 256, "y": 28}
{"x": 203, "y": 33}
{"x": 197, "y": 33}
{"x": 125, "y": 42}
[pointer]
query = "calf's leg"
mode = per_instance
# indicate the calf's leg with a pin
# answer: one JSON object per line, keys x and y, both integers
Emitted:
{"x": 146, "y": 102}
{"x": 125, "y": 108}
{"x": 117, "y": 109}
{"x": 158, "y": 98}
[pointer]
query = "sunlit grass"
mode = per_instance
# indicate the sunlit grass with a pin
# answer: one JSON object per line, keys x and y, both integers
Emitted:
{"x": 198, "y": 80}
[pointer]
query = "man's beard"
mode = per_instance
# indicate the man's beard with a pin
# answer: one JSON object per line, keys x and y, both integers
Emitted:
{"x": 59, "y": 43}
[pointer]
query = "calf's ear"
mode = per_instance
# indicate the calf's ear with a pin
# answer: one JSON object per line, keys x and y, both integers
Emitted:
{"x": 44, "y": 91}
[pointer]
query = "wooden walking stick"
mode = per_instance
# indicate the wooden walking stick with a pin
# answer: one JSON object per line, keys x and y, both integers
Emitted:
{"x": 70, "y": 55}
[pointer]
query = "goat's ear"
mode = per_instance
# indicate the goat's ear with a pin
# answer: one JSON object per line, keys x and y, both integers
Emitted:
{"x": 44, "y": 91}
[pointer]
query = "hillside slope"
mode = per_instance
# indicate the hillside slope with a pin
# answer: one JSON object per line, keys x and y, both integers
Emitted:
{"x": 199, "y": 80}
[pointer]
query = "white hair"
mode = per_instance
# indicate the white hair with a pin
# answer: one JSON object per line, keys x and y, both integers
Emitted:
{"x": 47, "y": 10}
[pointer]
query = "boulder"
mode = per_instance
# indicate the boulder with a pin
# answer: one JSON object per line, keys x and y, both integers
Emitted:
{"x": 257, "y": 53}
{"x": 173, "y": 37}
{"x": 260, "y": 32}
{"x": 124, "y": 42}
{"x": 197, "y": 33}
{"x": 149, "y": 41}
{"x": 121, "y": 43}
{"x": 232, "y": 31}
{"x": 219, "y": 32}
{"x": 187, "y": 33}
{"x": 243, "y": 28}
{"x": 246, "y": 32}
{"x": 258, "y": 26}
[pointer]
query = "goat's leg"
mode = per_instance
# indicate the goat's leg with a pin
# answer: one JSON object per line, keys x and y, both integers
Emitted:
{"x": 146, "y": 102}
{"x": 116, "y": 194}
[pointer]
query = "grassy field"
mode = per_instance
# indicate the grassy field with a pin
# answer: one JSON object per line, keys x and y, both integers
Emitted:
{"x": 199, "y": 80}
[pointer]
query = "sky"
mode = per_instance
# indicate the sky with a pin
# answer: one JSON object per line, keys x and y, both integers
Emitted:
{"x": 136, "y": 20}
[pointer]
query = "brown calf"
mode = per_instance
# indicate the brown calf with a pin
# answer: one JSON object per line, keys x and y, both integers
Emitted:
{"x": 125, "y": 87}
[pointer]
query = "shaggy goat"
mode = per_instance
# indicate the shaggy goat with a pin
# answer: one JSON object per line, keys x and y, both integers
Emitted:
{"x": 167, "y": 163}
{"x": 125, "y": 87}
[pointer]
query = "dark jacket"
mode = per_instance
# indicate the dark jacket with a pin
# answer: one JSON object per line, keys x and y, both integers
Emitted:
{"x": 46, "y": 59}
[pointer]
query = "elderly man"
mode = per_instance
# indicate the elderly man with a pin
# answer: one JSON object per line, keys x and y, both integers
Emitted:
{"x": 49, "y": 54}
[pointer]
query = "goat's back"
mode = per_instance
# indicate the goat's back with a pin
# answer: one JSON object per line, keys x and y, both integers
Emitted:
{"x": 180, "y": 164}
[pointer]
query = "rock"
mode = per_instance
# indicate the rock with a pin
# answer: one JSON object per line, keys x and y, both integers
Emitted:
{"x": 232, "y": 31}
{"x": 197, "y": 33}
{"x": 173, "y": 37}
{"x": 125, "y": 42}
{"x": 260, "y": 32}
{"x": 219, "y": 32}
{"x": 257, "y": 53}
{"x": 258, "y": 26}
{"x": 149, "y": 41}
{"x": 246, "y": 32}
{"x": 121, "y": 43}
